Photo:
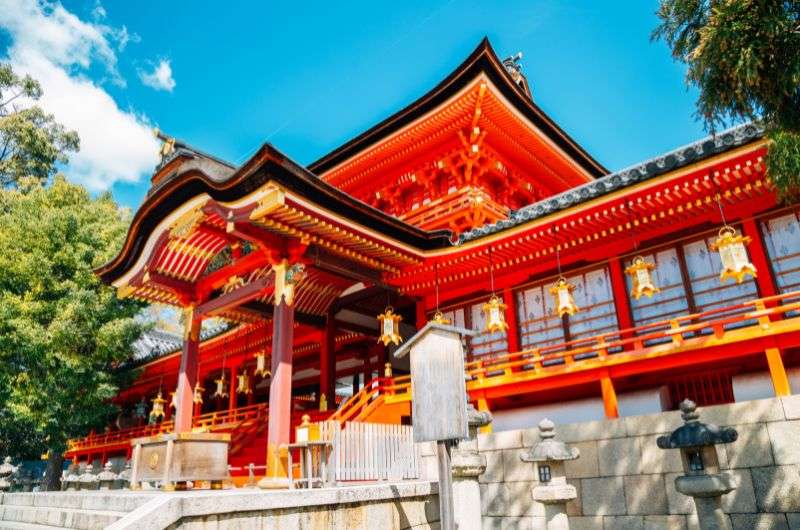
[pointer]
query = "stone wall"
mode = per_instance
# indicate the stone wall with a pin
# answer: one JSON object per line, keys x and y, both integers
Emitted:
{"x": 625, "y": 481}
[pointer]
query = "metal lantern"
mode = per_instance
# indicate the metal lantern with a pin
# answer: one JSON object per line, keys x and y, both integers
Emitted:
{"x": 733, "y": 254}
{"x": 140, "y": 409}
{"x": 198, "y": 393}
{"x": 562, "y": 293}
{"x": 390, "y": 327}
{"x": 494, "y": 311}
{"x": 221, "y": 391}
{"x": 643, "y": 284}
{"x": 243, "y": 383}
{"x": 439, "y": 318}
{"x": 158, "y": 408}
{"x": 261, "y": 365}
{"x": 173, "y": 401}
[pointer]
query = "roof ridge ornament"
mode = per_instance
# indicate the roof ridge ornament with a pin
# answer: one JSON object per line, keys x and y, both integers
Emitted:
{"x": 513, "y": 66}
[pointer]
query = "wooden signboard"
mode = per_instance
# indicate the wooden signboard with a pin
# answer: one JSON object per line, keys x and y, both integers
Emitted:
{"x": 438, "y": 389}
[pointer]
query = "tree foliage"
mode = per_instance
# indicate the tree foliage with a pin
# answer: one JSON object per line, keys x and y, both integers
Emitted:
{"x": 744, "y": 56}
{"x": 62, "y": 332}
{"x": 32, "y": 143}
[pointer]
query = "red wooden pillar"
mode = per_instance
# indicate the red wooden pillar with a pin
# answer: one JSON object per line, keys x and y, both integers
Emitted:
{"x": 280, "y": 390}
{"x": 759, "y": 258}
{"x": 232, "y": 388}
{"x": 327, "y": 361}
{"x": 187, "y": 376}
{"x": 621, "y": 302}
{"x": 512, "y": 335}
{"x": 422, "y": 318}
{"x": 609, "y": 396}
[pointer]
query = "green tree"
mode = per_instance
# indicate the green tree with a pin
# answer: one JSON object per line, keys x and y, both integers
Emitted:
{"x": 32, "y": 143}
{"x": 62, "y": 332}
{"x": 744, "y": 57}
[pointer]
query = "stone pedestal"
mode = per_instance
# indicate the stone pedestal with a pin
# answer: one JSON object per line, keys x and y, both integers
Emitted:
{"x": 175, "y": 458}
{"x": 707, "y": 492}
{"x": 467, "y": 465}
{"x": 554, "y": 496}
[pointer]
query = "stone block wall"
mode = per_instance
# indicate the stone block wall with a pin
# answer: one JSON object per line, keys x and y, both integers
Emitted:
{"x": 624, "y": 481}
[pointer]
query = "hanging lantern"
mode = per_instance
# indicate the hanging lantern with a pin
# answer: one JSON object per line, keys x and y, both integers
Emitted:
{"x": 495, "y": 313}
{"x": 733, "y": 254}
{"x": 158, "y": 408}
{"x": 221, "y": 391}
{"x": 261, "y": 364}
{"x": 643, "y": 284}
{"x": 562, "y": 293}
{"x": 243, "y": 383}
{"x": 173, "y": 401}
{"x": 439, "y": 318}
{"x": 390, "y": 327}
{"x": 198, "y": 393}
{"x": 140, "y": 409}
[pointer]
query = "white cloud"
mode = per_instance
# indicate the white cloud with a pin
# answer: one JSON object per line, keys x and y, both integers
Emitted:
{"x": 160, "y": 78}
{"x": 57, "y": 48}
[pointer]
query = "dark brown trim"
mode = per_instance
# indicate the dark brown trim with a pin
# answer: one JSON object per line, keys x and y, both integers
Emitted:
{"x": 482, "y": 60}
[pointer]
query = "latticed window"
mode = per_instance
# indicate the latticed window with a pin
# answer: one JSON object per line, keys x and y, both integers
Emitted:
{"x": 710, "y": 388}
{"x": 671, "y": 300}
{"x": 782, "y": 238}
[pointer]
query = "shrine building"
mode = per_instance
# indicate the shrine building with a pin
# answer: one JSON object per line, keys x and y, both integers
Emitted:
{"x": 594, "y": 294}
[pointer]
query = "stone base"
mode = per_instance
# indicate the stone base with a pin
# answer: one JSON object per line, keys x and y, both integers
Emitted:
{"x": 173, "y": 459}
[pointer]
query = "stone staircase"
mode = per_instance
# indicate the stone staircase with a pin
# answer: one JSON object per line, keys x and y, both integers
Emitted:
{"x": 85, "y": 510}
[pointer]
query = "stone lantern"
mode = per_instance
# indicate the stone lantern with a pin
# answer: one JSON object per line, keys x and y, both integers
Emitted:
{"x": 467, "y": 465}
{"x": 70, "y": 481}
{"x": 124, "y": 477}
{"x": 107, "y": 478}
{"x": 88, "y": 480}
{"x": 703, "y": 480}
{"x": 6, "y": 470}
{"x": 553, "y": 491}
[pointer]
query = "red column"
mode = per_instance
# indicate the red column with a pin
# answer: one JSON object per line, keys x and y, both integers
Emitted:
{"x": 187, "y": 376}
{"x": 759, "y": 258}
{"x": 280, "y": 392}
{"x": 232, "y": 388}
{"x": 327, "y": 361}
{"x": 620, "y": 290}
{"x": 421, "y": 317}
{"x": 512, "y": 336}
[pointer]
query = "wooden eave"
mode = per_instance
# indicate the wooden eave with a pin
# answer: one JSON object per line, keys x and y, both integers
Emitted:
{"x": 482, "y": 62}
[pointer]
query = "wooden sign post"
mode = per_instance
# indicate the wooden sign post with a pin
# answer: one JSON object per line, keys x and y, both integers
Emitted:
{"x": 439, "y": 399}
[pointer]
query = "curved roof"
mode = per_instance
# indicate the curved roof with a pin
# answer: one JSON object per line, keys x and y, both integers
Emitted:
{"x": 482, "y": 60}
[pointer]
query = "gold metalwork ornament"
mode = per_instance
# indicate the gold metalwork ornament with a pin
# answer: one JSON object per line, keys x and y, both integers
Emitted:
{"x": 439, "y": 318}
{"x": 153, "y": 461}
{"x": 640, "y": 273}
{"x": 733, "y": 254}
{"x": 221, "y": 391}
{"x": 243, "y": 383}
{"x": 562, "y": 294}
{"x": 158, "y": 408}
{"x": 233, "y": 283}
{"x": 261, "y": 365}
{"x": 187, "y": 223}
{"x": 390, "y": 327}
{"x": 323, "y": 403}
{"x": 495, "y": 313}
{"x": 198, "y": 394}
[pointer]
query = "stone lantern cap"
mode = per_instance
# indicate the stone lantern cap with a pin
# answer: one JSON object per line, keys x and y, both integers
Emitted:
{"x": 549, "y": 449}
{"x": 694, "y": 433}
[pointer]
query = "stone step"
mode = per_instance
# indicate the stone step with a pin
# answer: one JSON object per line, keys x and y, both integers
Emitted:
{"x": 13, "y": 525}
{"x": 60, "y": 517}
{"x": 86, "y": 500}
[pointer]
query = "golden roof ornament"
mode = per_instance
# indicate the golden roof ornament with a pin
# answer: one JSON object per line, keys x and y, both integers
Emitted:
{"x": 168, "y": 144}
{"x": 640, "y": 272}
{"x": 732, "y": 252}
{"x": 390, "y": 327}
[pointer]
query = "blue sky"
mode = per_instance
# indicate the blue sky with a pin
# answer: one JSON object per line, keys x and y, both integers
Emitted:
{"x": 308, "y": 76}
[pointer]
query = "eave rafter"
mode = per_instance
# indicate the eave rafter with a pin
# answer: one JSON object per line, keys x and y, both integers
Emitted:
{"x": 647, "y": 210}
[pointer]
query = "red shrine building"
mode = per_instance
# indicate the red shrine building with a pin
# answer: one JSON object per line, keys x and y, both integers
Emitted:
{"x": 594, "y": 294}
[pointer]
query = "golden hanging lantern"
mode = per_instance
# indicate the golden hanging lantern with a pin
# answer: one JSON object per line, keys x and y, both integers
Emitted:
{"x": 439, "y": 318}
{"x": 733, "y": 254}
{"x": 158, "y": 408}
{"x": 243, "y": 383}
{"x": 261, "y": 365}
{"x": 198, "y": 393}
{"x": 495, "y": 313}
{"x": 173, "y": 400}
{"x": 640, "y": 273}
{"x": 221, "y": 391}
{"x": 390, "y": 327}
{"x": 562, "y": 294}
